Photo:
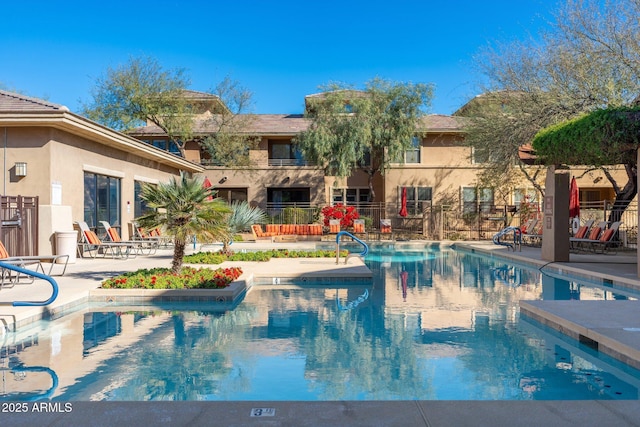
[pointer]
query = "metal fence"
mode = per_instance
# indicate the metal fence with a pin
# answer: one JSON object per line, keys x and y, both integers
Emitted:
{"x": 449, "y": 222}
{"x": 19, "y": 225}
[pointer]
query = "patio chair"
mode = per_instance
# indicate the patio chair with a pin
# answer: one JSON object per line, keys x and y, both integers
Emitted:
{"x": 141, "y": 246}
{"x": 385, "y": 228}
{"x": 259, "y": 234}
{"x": 90, "y": 243}
{"x": 140, "y": 233}
{"x": 358, "y": 226}
{"x": 599, "y": 237}
{"x": 529, "y": 236}
{"x": 37, "y": 260}
{"x": 334, "y": 226}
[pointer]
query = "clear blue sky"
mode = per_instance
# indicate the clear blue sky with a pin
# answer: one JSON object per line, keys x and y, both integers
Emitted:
{"x": 279, "y": 50}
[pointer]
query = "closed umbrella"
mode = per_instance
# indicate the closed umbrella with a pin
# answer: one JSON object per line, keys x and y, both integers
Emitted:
{"x": 403, "y": 209}
{"x": 574, "y": 199}
{"x": 404, "y": 277}
{"x": 207, "y": 184}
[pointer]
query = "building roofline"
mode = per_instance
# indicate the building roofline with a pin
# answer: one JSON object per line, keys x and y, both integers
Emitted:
{"x": 63, "y": 119}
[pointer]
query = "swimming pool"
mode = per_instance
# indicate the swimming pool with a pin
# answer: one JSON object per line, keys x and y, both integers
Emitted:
{"x": 433, "y": 324}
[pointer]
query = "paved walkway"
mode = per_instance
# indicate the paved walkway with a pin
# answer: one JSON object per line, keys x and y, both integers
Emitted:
{"x": 616, "y": 270}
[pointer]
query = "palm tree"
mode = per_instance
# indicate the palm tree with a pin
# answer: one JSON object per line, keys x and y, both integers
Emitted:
{"x": 242, "y": 217}
{"x": 184, "y": 208}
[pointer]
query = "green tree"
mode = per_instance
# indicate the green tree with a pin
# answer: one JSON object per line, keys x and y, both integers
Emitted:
{"x": 139, "y": 92}
{"x": 229, "y": 136}
{"x": 184, "y": 208}
{"x": 349, "y": 127}
{"x": 588, "y": 59}
{"x": 603, "y": 137}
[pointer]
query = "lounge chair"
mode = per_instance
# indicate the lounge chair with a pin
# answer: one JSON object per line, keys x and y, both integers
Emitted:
{"x": 599, "y": 237}
{"x": 11, "y": 277}
{"x": 529, "y": 236}
{"x": 139, "y": 233}
{"x": 37, "y": 260}
{"x": 90, "y": 243}
{"x": 358, "y": 226}
{"x": 259, "y": 234}
{"x": 334, "y": 226}
{"x": 143, "y": 247}
{"x": 385, "y": 228}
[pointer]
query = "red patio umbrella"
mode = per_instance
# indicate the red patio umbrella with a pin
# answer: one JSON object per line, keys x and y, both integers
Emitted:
{"x": 207, "y": 184}
{"x": 403, "y": 210}
{"x": 574, "y": 199}
{"x": 404, "y": 276}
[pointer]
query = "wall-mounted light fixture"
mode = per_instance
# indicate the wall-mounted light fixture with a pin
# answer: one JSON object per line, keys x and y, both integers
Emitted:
{"x": 287, "y": 179}
{"x": 597, "y": 180}
{"x": 223, "y": 180}
{"x": 21, "y": 168}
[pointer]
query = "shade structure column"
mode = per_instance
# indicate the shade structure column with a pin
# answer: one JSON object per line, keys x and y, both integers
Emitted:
{"x": 555, "y": 221}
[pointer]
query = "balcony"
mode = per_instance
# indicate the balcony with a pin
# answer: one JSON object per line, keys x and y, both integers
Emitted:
{"x": 289, "y": 162}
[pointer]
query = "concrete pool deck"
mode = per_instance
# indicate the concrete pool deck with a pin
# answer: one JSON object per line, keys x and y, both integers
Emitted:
{"x": 575, "y": 317}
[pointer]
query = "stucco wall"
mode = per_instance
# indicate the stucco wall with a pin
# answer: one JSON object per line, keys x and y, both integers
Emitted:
{"x": 56, "y": 162}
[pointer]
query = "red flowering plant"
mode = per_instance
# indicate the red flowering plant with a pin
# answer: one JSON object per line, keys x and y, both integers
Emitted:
{"x": 346, "y": 214}
{"x": 163, "y": 278}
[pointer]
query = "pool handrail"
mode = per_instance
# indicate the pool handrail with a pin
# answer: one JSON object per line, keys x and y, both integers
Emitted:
{"x": 47, "y": 394}
{"x": 517, "y": 238}
{"x": 54, "y": 285}
{"x": 365, "y": 247}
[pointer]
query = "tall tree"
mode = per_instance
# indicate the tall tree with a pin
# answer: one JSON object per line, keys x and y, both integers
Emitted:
{"x": 366, "y": 129}
{"x": 588, "y": 59}
{"x": 139, "y": 92}
{"x": 184, "y": 208}
{"x": 229, "y": 136}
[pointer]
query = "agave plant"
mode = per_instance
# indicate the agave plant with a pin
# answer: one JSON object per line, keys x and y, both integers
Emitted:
{"x": 242, "y": 217}
{"x": 183, "y": 208}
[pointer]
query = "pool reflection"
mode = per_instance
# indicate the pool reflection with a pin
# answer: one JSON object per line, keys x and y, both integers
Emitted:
{"x": 442, "y": 326}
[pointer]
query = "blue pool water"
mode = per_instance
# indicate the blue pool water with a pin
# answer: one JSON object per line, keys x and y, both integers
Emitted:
{"x": 433, "y": 324}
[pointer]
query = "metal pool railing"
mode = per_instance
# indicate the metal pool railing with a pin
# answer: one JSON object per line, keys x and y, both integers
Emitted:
{"x": 20, "y": 270}
{"x": 365, "y": 247}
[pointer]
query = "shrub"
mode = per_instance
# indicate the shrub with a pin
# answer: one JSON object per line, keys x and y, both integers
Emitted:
{"x": 163, "y": 278}
{"x": 217, "y": 258}
{"x": 346, "y": 214}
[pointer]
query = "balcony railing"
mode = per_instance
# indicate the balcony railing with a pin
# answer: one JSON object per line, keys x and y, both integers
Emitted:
{"x": 270, "y": 162}
{"x": 290, "y": 162}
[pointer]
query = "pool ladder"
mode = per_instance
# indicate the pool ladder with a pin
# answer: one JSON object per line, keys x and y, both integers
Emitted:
{"x": 517, "y": 238}
{"x": 20, "y": 270}
{"x": 365, "y": 247}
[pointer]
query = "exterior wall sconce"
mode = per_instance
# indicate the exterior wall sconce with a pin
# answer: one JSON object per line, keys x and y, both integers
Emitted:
{"x": 287, "y": 179}
{"x": 21, "y": 169}
{"x": 223, "y": 180}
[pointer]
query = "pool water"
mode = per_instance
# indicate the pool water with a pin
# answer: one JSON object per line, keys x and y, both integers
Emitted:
{"x": 431, "y": 325}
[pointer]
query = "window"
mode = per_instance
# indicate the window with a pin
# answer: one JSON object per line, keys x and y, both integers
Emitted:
{"x": 101, "y": 199}
{"x": 418, "y": 198}
{"x": 164, "y": 144}
{"x": 412, "y": 155}
{"x": 232, "y": 194}
{"x": 139, "y": 205}
{"x": 350, "y": 196}
{"x": 479, "y": 156}
{"x": 524, "y": 194}
{"x": 282, "y": 197}
{"x": 284, "y": 153}
{"x": 477, "y": 199}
